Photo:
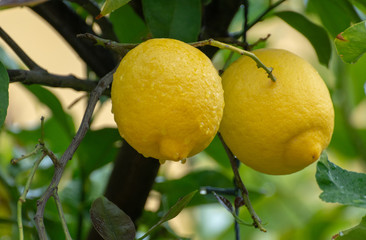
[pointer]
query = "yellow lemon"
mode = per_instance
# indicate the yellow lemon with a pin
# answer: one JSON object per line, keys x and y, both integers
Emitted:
{"x": 167, "y": 99}
{"x": 276, "y": 127}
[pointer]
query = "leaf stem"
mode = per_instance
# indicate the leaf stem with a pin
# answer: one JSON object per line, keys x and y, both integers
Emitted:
{"x": 34, "y": 152}
{"x": 61, "y": 213}
{"x": 41, "y": 140}
{"x": 20, "y": 220}
{"x": 239, "y": 183}
{"x": 221, "y": 45}
{"x": 172, "y": 212}
{"x": 19, "y": 52}
{"x": 22, "y": 198}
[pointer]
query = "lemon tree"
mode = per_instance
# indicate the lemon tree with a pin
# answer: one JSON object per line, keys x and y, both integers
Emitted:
{"x": 286, "y": 125}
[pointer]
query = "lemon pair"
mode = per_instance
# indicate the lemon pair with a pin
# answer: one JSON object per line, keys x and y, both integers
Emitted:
{"x": 168, "y": 103}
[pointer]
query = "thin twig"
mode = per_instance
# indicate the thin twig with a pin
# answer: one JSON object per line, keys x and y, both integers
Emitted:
{"x": 236, "y": 225}
{"x": 259, "y": 18}
{"x": 35, "y": 151}
{"x": 53, "y": 80}
{"x": 68, "y": 23}
{"x": 104, "y": 23}
{"x": 244, "y": 192}
{"x": 24, "y": 194}
{"x": 76, "y": 100}
{"x": 52, "y": 156}
{"x": 41, "y": 140}
{"x": 262, "y": 39}
{"x": 233, "y": 41}
{"x": 19, "y": 52}
{"x": 103, "y": 84}
{"x": 120, "y": 48}
{"x": 218, "y": 44}
{"x": 61, "y": 213}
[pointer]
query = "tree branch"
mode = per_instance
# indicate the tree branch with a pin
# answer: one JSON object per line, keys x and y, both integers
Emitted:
{"x": 105, "y": 25}
{"x": 53, "y": 80}
{"x": 69, "y": 24}
{"x": 19, "y": 52}
{"x": 120, "y": 48}
{"x": 103, "y": 84}
{"x": 216, "y": 19}
{"x": 259, "y": 18}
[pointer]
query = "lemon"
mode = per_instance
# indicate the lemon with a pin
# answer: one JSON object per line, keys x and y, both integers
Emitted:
{"x": 276, "y": 127}
{"x": 167, "y": 99}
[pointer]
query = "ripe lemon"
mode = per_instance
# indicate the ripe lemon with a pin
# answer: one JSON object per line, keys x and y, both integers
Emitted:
{"x": 276, "y": 127}
{"x": 167, "y": 99}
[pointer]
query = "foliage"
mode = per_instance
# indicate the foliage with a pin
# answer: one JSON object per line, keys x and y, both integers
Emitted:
{"x": 355, "y": 233}
{"x": 340, "y": 185}
{"x": 4, "y": 95}
{"x": 288, "y": 205}
{"x": 110, "y": 221}
{"x": 351, "y": 43}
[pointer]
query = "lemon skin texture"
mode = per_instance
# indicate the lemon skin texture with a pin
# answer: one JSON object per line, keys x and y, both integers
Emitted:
{"x": 276, "y": 127}
{"x": 167, "y": 99}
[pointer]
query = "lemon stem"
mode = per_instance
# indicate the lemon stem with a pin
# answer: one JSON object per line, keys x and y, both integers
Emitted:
{"x": 257, "y": 223}
{"x": 221, "y": 45}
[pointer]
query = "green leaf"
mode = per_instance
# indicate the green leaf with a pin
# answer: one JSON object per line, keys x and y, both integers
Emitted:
{"x": 341, "y": 140}
{"x": 351, "y": 44}
{"x": 4, "y": 93}
{"x": 51, "y": 101}
{"x": 336, "y": 15}
{"x": 172, "y": 213}
{"x": 127, "y": 25}
{"x": 97, "y": 149}
{"x": 229, "y": 207}
{"x": 355, "y": 233}
{"x": 224, "y": 202}
{"x": 217, "y": 151}
{"x": 193, "y": 181}
{"x": 110, "y": 221}
{"x": 339, "y": 185}
{"x": 354, "y": 85}
{"x": 111, "y": 5}
{"x": 55, "y": 136}
{"x": 173, "y": 18}
{"x": 317, "y": 36}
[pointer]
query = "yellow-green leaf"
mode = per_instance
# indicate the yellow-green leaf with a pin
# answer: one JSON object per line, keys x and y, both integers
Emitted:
{"x": 111, "y": 5}
{"x": 351, "y": 44}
